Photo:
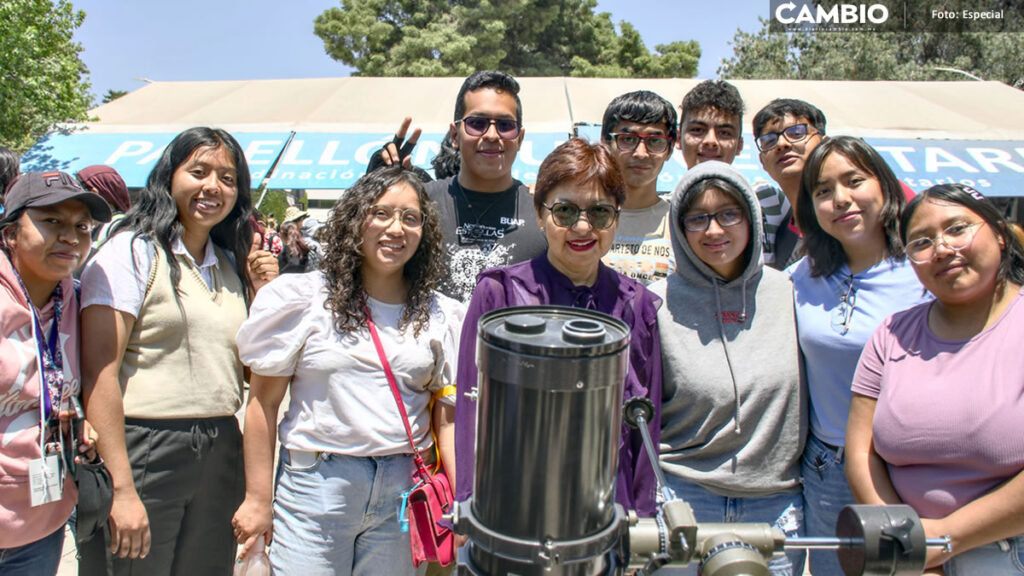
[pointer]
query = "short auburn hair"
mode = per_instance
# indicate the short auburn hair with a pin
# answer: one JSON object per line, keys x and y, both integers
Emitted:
{"x": 579, "y": 162}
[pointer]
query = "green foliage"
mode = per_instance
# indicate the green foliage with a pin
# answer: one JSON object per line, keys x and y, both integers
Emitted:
{"x": 521, "y": 37}
{"x": 875, "y": 55}
{"x": 42, "y": 79}
{"x": 112, "y": 95}
{"x": 274, "y": 203}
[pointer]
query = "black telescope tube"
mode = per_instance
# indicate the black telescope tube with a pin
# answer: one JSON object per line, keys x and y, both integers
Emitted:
{"x": 548, "y": 427}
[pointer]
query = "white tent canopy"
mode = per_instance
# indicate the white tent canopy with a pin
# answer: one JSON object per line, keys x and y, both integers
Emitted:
{"x": 320, "y": 132}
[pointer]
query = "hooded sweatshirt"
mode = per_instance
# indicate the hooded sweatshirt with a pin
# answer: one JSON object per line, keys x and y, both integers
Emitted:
{"x": 734, "y": 411}
{"x": 20, "y": 385}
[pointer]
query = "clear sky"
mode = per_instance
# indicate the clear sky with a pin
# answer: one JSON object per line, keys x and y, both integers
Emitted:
{"x": 126, "y": 41}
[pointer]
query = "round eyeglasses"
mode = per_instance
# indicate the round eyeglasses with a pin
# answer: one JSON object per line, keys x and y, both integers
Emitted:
{"x": 566, "y": 214}
{"x": 701, "y": 222}
{"x": 795, "y": 133}
{"x": 956, "y": 237}
{"x": 507, "y": 128}
{"x": 628, "y": 141}
{"x": 410, "y": 218}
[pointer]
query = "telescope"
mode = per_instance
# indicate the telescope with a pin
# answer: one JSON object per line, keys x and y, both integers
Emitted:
{"x": 549, "y": 416}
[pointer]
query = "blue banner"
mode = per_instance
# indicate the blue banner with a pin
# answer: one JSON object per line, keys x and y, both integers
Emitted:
{"x": 993, "y": 167}
{"x": 134, "y": 155}
{"x": 316, "y": 160}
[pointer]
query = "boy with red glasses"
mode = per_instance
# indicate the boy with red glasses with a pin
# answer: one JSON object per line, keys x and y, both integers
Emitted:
{"x": 640, "y": 130}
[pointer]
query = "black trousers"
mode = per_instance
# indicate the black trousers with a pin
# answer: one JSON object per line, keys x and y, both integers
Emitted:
{"x": 189, "y": 474}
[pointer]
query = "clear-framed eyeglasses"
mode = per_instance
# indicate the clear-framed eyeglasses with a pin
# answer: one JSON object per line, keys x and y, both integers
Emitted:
{"x": 842, "y": 316}
{"x": 956, "y": 237}
{"x": 410, "y": 218}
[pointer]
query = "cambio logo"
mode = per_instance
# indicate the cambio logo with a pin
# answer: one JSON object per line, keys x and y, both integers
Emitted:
{"x": 838, "y": 14}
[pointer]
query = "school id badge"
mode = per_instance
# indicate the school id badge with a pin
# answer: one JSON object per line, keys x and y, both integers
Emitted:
{"x": 45, "y": 479}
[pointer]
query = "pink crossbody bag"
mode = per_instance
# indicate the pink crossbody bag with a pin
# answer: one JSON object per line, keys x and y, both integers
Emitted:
{"x": 430, "y": 497}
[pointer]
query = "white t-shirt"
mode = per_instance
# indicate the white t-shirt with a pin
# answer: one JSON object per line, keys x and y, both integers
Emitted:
{"x": 340, "y": 398}
{"x": 643, "y": 244}
{"x": 117, "y": 275}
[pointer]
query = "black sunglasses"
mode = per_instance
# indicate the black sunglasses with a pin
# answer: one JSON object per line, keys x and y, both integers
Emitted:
{"x": 508, "y": 129}
{"x": 566, "y": 214}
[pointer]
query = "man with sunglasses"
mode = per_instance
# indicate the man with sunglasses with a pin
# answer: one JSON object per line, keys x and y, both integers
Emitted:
{"x": 786, "y": 131}
{"x": 483, "y": 210}
{"x": 640, "y": 129}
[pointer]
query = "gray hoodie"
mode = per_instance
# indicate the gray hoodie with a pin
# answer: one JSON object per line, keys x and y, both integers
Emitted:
{"x": 734, "y": 411}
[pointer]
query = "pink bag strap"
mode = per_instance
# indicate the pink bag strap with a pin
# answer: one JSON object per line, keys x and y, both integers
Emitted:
{"x": 420, "y": 466}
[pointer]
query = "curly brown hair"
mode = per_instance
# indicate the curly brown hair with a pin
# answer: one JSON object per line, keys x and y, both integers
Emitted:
{"x": 342, "y": 262}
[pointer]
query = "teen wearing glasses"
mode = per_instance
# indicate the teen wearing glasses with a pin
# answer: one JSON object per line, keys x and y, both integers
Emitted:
{"x": 935, "y": 420}
{"x": 734, "y": 414}
{"x": 853, "y": 277}
{"x": 577, "y": 198}
{"x": 786, "y": 131}
{"x": 640, "y": 129}
{"x": 485, "y": 213}
{"x": 345, "y": 458}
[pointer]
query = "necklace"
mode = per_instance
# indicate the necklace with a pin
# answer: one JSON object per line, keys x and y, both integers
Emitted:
{"x": 495, "y": 199}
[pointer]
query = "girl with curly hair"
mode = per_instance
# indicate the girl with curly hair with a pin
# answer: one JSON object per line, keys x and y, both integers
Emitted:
{"x": 345, "y": 458}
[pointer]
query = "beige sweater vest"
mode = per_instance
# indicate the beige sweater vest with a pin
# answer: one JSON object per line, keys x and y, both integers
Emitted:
{"x": 181, "y": 360}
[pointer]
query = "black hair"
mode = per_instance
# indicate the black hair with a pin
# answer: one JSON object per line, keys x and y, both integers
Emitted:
{"x": 493, "y": 79}
{"x": 448, "y": 161}
{"x": 343, "y": 258}
{"x": 642, "y": 107}
{"x": 717, "y": 94}
{"x": 10, "y": 165}
{"x": 1011, "y": 263}
{"x": 155, "y": 215}
{"x": 778, "y": 108}
{"x": 825, "y": 252}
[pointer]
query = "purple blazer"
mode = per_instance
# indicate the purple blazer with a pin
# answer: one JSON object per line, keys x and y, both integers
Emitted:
{"x": 536, "y": 282}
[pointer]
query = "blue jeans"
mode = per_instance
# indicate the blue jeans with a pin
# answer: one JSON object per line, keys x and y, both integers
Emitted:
{"x": 339, "y": 515}
{"x": 997, "y": 559}
{"x": 38, "y": 558}
{"x": 826, "y": 492}
{"x": 782, "y": 510}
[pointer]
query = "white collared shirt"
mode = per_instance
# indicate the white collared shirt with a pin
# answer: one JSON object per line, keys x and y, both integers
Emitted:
{"x": 117, "y": 274}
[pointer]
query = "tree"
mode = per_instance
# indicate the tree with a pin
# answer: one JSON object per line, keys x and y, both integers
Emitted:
{"x": 42, "y": 78}
{"x": 274, "y": 203}
{"x": 916, "y": 54}
{"x": 521, "y": 37}
{"x": 112, "y": 95}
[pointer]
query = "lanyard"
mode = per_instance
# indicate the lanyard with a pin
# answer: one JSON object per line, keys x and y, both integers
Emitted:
{"x": 50, "y": 360}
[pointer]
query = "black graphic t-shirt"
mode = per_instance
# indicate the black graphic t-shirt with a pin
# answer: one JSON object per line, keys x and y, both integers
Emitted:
{"x": 483, "y": 230}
